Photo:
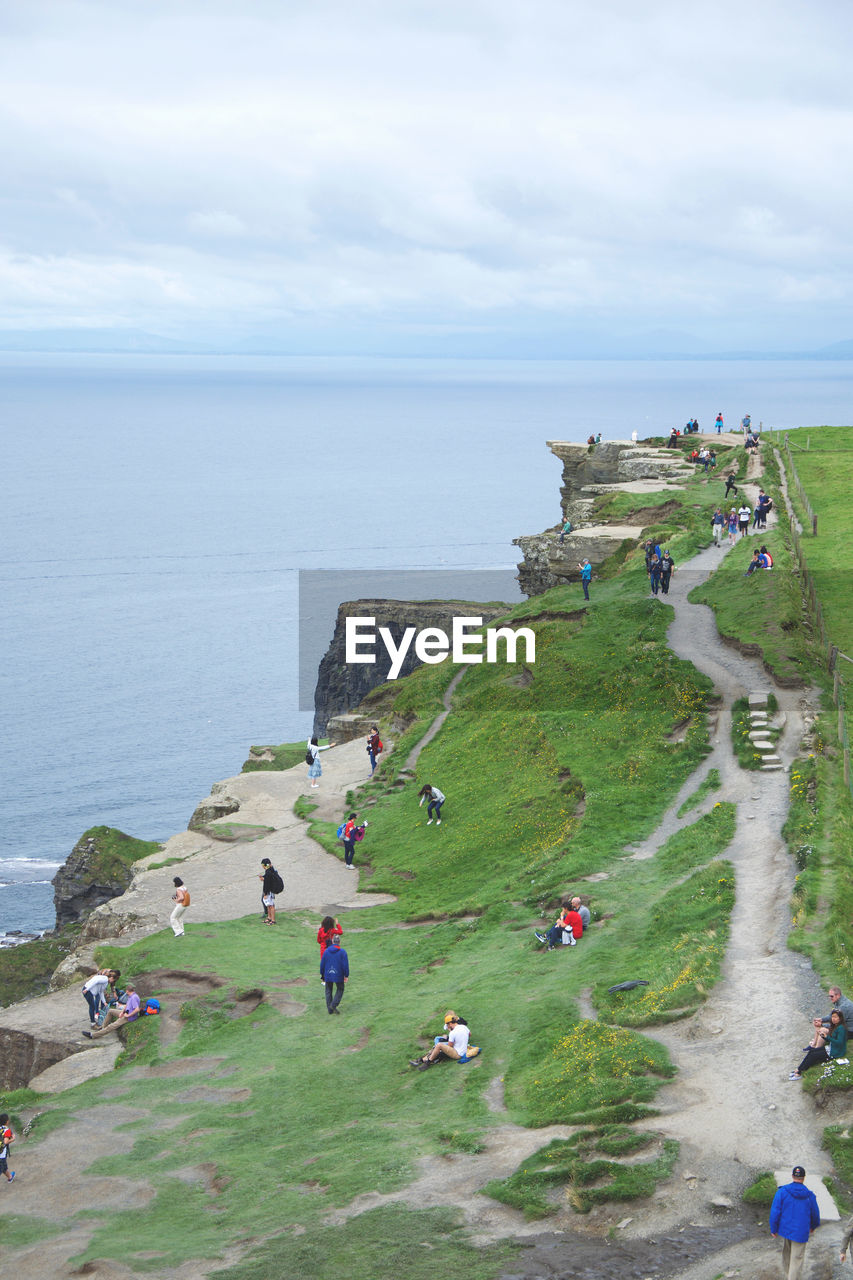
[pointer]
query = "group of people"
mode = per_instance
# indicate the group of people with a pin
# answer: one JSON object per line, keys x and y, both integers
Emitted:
{"x": 659, "y": 567}
{"x": 829, "y": 1040}
{"x": 704, "y": 457}
{"x": 568, "y": 929}
{"x": 760, "y": 560}
{"x": 374, "y": 747}
{"x": 110, "y": 1007}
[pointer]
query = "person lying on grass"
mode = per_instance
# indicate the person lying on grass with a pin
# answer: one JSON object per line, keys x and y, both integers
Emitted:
{"x": 455, "y": 1046}
{"x": 827, "y": 1043}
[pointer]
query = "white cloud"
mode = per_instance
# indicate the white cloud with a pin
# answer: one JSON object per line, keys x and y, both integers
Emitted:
{"x": 199, "y": 165}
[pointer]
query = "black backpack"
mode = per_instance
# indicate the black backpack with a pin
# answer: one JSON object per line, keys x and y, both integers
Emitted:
{"x": 276, "y": 882}
{"x": 309, "y": 756}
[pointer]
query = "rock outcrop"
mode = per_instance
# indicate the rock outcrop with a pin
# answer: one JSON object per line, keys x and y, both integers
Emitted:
{"x": 217, "y": 805}
{"x": 91, "y": 875}
{"x": 23, "y": 1055}
{"x": 588, "y": 472}
{"x": 341, "y": 686}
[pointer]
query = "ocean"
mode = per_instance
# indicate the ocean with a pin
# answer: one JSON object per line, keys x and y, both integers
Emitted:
{"x": 158, "y": 511}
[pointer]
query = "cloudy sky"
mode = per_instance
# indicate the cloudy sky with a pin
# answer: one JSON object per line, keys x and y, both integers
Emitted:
{"x": 466, "y": 176}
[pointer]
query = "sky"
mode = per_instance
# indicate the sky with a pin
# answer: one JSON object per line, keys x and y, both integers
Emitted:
{"x": 389, "y": 176}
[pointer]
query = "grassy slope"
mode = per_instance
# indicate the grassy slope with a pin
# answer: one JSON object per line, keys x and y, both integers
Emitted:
{"x": 547, "y": 779}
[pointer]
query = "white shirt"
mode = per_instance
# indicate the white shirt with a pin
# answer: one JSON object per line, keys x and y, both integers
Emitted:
{"x": 458, "y": 1038}
{"x": 97, "y": 984}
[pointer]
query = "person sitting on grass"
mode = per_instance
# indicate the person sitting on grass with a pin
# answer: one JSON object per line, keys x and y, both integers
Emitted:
{"x": 827, "y": 1043}
{"x": 566, "y": 931}
{"x": 119, "y": 1016}
{"x": 455, "y": 1046}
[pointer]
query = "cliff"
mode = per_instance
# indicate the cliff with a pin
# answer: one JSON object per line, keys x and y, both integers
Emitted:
{"x": 587, "y": 473}
{"x": 99, "y": 868}
{"x": 341, "y": 687}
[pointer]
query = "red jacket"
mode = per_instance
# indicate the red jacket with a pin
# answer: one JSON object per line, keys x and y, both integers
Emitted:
{"x": 325, "y": 938}
{"x": 571, "y": 920}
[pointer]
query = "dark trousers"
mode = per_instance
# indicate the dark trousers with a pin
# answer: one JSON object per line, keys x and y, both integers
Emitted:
{"x": 93, "y": 1002}
{"x": 664, "y": 582}
{"x": 654, "y": 578}
{"x": 813, "y": 1058}
{"x": 434, "y": 805}
{"x": 585, "y": 585}
{"x": 349, "y": 850}
{"x": 332, "y": 1001}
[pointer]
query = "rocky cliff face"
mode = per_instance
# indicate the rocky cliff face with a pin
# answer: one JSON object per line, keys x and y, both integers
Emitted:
{"x": 341, "y": 686}
{"x": 91, "y": 875}
{"x": 588, "y": 472}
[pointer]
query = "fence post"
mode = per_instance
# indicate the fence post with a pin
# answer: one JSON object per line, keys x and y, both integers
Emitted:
{"x": 814, "y": 525}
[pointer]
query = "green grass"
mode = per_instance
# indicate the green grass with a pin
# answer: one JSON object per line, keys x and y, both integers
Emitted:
{"x": 575, "y": 1170}
{"x": 761, "y": 1191}
{"x": 284, "y": 756}
{"x": 20, "y": 1230}
{"x": 709, "y": 784}
{"x": 391, "y": 1241}
{"x": 25, "y": 970}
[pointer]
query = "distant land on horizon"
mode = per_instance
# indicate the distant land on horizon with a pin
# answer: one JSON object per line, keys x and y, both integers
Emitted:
{"x": 655, "y": 345}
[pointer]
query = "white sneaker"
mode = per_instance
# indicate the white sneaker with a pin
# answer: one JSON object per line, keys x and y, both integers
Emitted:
{"x": 429, "y": 822}
{"x": 438, "y": 822}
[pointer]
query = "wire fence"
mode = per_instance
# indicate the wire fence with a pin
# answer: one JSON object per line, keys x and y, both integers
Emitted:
{"x": 803, "y": 496}
{"x": 831, "y": 651}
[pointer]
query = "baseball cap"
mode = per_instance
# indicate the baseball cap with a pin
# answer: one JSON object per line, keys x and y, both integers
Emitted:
{"x": 798, "y": 1171}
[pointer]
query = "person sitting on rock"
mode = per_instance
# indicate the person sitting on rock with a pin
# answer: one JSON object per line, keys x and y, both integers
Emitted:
{"x": 120, "y": 1016}
{"x": 827, "y": 1043}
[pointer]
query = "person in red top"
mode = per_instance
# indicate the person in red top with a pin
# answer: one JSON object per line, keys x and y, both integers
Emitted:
{"x": 570, "y": 923}
{"x": 330, "y": 928}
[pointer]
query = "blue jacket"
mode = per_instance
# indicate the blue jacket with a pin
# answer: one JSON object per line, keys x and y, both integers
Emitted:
{"x": 794, "y": 1213}
{"x": 586, "y": 573}
{"x": 334, "y": 966}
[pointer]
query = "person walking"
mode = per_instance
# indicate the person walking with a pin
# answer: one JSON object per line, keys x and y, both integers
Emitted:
{"x": 794, "y": 1215}
{"x": 312, "y": 759}
{"x": 272, "y": 885}
{"x": 743, "y": 517}
{"x": 654, "y": 574}
{"x": 351, "y": 833}
{"x": 374, "y": 746}
{"x": 436, "y": 800}
{"x": 586, "y": 577}
{"x": 732, "y": 526}
{"x": 334, "y": 970}
{"x": 330, "y": 927}
{"x": 718, "y": 523}
{"x": 731, "y": 487}
{"x": 667, "y": 564}
{"x": 718, "y": 425}
{"x": 181, "y": 899}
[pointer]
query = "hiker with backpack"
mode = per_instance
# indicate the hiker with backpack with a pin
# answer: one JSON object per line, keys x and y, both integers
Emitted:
{"x": 312, "y": 759}
{"x": 181, "y": 899}
{"x": 374, "y": 746}
{"x": 348, "y": 833}
{"x": 7, "y": 1137}
{"x": 272, "y": 885}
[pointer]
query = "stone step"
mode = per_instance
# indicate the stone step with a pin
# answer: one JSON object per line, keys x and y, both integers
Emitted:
{"x": 770, "y": 768}
{"x": 757, "y": 701}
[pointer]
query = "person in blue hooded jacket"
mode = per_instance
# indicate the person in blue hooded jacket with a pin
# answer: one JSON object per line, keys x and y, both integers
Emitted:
{"x": 794, "y": 1215}
{"x": 334, "y": 970}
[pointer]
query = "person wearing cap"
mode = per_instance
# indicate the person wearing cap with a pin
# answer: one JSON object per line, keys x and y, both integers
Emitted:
{"x": 456, "y": 1045}
{"x": 272, "y": 884}
{"x": 334, "y": 970}
{"x": 794, "y": 1215}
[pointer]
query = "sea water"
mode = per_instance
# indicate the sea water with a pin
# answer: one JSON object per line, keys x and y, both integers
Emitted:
{"x": 158, "y": 510}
